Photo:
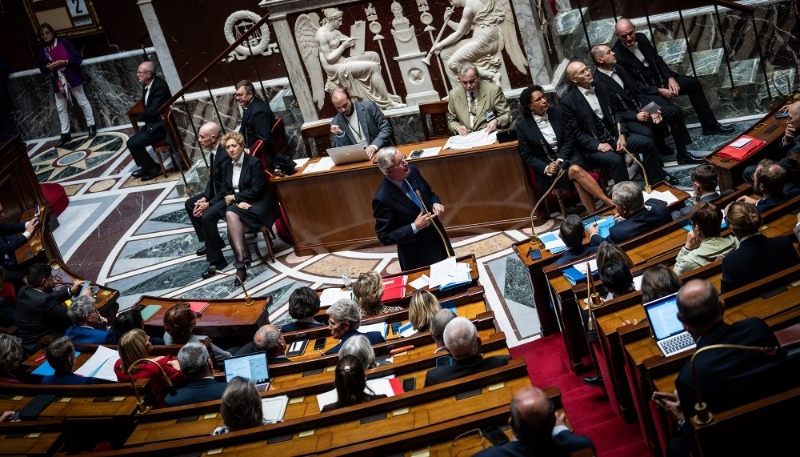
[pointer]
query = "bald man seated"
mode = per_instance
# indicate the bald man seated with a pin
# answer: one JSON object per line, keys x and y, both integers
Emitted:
{"x": 359, "y": 123}
{"x": 462, "y": 341}
{"x": 538, "y": 429}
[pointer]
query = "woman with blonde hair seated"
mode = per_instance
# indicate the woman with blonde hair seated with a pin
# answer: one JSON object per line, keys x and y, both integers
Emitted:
{"x": 134, "y": 346}
{"x": 422, "y": 308}
{"x": 241, "y": 407}
{"x": 368, "y": 290}
{"x": 704, "y": 243}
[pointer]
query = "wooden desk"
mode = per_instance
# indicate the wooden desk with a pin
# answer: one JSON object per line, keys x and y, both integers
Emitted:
{"x": 133, "y": 115}
{"x": 106, "y": 297}
{"x": 483, "y": 189}
{"x": 34, "y": 438}
{"x": 227, "y": 321}
{"x": 729, "y": 172}
{"x": 540, "y": 288}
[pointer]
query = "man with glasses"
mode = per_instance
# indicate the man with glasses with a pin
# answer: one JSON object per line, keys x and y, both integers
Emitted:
{"x": 635, "y": 53}
{"x": 88, "y": 326}
{"x": 155, "y": 92}
{"x": 257, "y": 120}
{"x": 402, "y": 218}
{"x": 476, "y": 104}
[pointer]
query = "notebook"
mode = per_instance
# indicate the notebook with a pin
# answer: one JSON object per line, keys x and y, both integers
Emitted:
{"x": 348, "y": 154}
{"x": 667, "y": 330}
{"x": 250, "y": 366}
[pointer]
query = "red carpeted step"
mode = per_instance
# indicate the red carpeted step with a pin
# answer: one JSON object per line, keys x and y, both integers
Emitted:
{"x": 582, "y": 424}
{"x": 637, "y": 449}
{"x": 56, "y": 197}
{"x": 612, "y": 435}
{"x": 583, "y": 404}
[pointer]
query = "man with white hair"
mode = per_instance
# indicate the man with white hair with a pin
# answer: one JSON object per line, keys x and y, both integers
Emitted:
{"x": 462, "y": 341}
{"x": 196, "y": 365}
{"x": 407, "y": 213}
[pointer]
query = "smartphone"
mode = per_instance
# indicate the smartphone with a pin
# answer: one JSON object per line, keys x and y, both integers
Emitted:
{"x": 444, "y": 361}
{"x": 495, "y": 435}
{"x": 535, "y": 254}
{"x": 416, "y": 153}
{"x": 409, "y": 384}
{"x": 320, "y": 343}
{"x": 86, "y": 284}
{"x": 396, "y": 328}
{"x": 38, "y": 211}
{"x": 781, "y": 115}
{"x": 138, "y": 307}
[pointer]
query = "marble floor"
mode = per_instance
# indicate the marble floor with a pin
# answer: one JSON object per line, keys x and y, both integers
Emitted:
{"x": 136, "y": 238}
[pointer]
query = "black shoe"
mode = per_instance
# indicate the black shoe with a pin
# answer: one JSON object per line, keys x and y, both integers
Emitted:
{"x": 151, "y": 174}
{"x": 212, "y": 269}
{"x": 671, "y": 179}
{"x": 718, "y": 129}
{"x": 92, "y": 131}
{"x": 65, "y": 138}
{"x": 138, "y": 173}
{"x": 241, "y": 273}
{"x": 688, "y": 159}
{"x": 594, "y": 381}
{"x": 201, "y": 251}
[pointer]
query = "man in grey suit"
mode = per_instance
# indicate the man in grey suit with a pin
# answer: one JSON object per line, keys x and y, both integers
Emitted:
{"x": 476, "y": 105}
{"x": 359, "y": 123}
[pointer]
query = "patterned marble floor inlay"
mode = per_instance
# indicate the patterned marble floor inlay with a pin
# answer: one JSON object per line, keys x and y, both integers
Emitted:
{"x": 78, "y": 156}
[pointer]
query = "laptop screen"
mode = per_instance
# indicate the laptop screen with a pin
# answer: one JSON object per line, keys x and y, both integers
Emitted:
{"x": 251, "y": 366}
{"x": 663, "y": 316}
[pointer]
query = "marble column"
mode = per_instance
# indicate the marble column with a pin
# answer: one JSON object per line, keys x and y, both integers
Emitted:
{"x": 294, "y": 67}
{"x": 536, "y": 46}
{"x": 160, "y": 43}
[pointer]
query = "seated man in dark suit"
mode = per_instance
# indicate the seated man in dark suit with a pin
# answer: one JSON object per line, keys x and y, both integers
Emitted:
{"x": 596, "y": 132}
{"x": 40, "y": 310}
{"x": 155, "y": 92}
{"x": 538, "y": 429}
{"x": 88, "y": 326}
{"x": 634, "y": 217}
{"x": 196, "y": 365}
{"x": 462, "y": 341}
{"x": 726, "y": 378}
{"x": 61, "y": 357}
{"x": 269, "y": 339}
{"x": 257, "y": 120}
{"x": 789, "y": 145}
{"x": 572, "y": 231}
{"x": 704, "y": 183}
{"x": 757, "y": 256}
{"x": 13, "y": 236}
{"x": 631, "y": 97}
{"x": 770, "y": 179}
{"x": 640, "y": 59}
{"x": 359, "y": 123}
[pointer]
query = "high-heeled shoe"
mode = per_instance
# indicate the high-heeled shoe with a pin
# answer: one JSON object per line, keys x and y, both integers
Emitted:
{"x": 241, "y": 273}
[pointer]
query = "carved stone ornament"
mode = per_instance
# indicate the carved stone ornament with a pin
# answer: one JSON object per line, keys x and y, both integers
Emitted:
{"x": 237, "y": 24}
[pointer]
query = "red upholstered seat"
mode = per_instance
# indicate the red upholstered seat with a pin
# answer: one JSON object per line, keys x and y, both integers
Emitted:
{"x": 56, "y": 197}
{"x": 8, "y": 292}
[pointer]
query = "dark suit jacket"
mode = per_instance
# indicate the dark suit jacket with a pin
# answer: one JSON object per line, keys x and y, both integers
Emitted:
{"x": 90, "y": 335}
{"x": 373, "y": 337}
{"x": 581, "y": 118}
{"x": 159, "y": 94}
{"x": 708, "y": 198}
{"x": 40, "y": 314}
{"x": 7, "y": 313}
{"x": 630, "y": 100}
{"x": 462, "y": 368}
{"x": 279, "y": 359}
{"x": 563, "y": 444}
{"x": 8, "y": 247}
{"x": 215, "y": 182}
{"x": 257, "y": 122}
{"x": 394, "y": 212}
{"x": 252, "y": 188}
{"x": 66, "y": 379}
{"x": 374, "y": 126}
{"x": 575, "y": 253}
{"x": 292, "y": 326}
{"x": 197, "y": 391}
{"x": 656, "y": 75}
{"x": 757, "y": 257}
{"x": 642, "y": 221}
{"x": 730, "y": 378}
{"x": 537, "y": 153}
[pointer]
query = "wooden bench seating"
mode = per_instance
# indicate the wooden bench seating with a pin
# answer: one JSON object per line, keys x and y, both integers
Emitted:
{"x": 35, "y": 438}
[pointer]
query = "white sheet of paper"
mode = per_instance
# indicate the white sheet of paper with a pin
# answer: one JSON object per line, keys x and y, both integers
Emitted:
{"x": 741, "y": 142}
{"x": 430, "y": 152}
{"x": 443, "y": 272}
{"x": 637, "y": 282}
{"x": 324, "y": 164}
{"x": 100, "y": 365}
{"x": 274, "y": 408}
{"x": 332, "y": 295}
{"x": 301, "y": 162}
{"x": 381, "y": 386}
{"x": 581, "y": 266}
{"x": 420, "y": 282}
{"x": 407, "y": 330}
{"x": 296, "y": 345}
{"x": 378, "y": 327}
{"x": 479, "y": 138}
{"x": 326, "y": 398}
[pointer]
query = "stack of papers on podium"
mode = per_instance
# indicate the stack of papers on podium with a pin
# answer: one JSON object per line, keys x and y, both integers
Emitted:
{"x": 665, "y": 196}
{"x": 447, "y": 274}
{"x": 274, "y": 408}
{"x": 332, "y": 295}
{"x": 324, "y": 164}
{"x": 552, "y": 242}
{"x": 100, "y": 365}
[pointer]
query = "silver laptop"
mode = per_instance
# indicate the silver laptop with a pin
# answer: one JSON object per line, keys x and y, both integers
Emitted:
{"x": 250, "y": 366}
{"x": 348, "y": 154}
{"x": 668, "y": 331}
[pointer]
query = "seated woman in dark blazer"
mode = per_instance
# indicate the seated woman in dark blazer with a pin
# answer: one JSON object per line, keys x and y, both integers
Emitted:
{"x": 545, "y": 146}
{"x": 350, "y": 382}
{"x": 303, "y": 306}
{"x": 249, "y": 204}
{"x": 344, "y": 318}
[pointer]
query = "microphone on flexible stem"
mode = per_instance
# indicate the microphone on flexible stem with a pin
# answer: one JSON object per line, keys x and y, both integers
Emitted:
{"x": 424, "y": 208}
{"x": 536, "y": 206}
{"x": 247, "y": 300}
{"x": 647, "y": 187}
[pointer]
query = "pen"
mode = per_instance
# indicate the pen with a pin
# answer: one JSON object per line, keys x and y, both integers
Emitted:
{"x": 41, "y": 358}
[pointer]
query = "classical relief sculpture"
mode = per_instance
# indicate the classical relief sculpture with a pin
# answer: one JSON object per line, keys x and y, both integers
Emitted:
{"x": 322, "y": 48}
{"x": 492, "y": 25}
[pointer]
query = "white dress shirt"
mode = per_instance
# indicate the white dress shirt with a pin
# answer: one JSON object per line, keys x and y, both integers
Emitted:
{"x": 594, "y": 103}
{"x": 613, "y": 75}
{"x": 147, "y": 91}
{"x": 543, "y": 122}
{"x": 237, "y": 173}
{"x": 635, "y": 50}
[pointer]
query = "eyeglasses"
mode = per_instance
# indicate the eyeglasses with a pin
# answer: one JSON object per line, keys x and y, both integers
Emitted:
{"x": 239, "y": 95}
{"x": 585, "y": 71}
{"x": 402, "y": 162}
{"x": 143, "y": 72}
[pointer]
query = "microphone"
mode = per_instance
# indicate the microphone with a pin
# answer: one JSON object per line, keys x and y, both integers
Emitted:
{"x": 647, "y": 187}
{"x": 247, "y": 300}
{"x": 703, "y": 415}
{"x": 424, "y": 208}
{"x": 142, "y": 408}
{"x": 536, "y": 206}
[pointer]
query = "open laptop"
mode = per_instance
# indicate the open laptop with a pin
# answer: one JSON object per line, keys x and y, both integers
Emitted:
{"x": 665, "y": 326}
{"x": 250, "y": 366}
{"x": 348, "y": 154}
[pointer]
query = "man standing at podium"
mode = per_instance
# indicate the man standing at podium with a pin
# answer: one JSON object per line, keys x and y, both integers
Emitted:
{"x": 359, "y": 123}
{"x": 402, "y": 218}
